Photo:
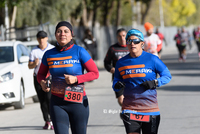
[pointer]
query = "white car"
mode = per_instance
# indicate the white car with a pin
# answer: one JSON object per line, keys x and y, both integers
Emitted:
{"x": 31, "y": 44}
{"x": 16, "y": 79}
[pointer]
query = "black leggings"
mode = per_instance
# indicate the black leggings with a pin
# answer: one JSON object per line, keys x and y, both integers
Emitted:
{"x": 198, "y": 45}
{"x": 180, "y": 50}
{"x": 44, "y": 98}
{"x": 150, "y": 127}
{"x": 64, "y": 113}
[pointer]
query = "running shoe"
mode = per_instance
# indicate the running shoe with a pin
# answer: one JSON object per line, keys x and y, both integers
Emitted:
{"x": 52, "y": 128}
{"x": 47, "y": 125}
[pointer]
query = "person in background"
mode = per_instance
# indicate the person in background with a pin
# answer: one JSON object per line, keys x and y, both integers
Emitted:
{"x": 137, "y": 74}
{"x": 35, "y": 62}
{"x": 114, "y": 53}
{"x": 162, "y": 38}
{"x": 177, "y": 38}
{"x": 66, "y": 62}
{"x": 194, "y": 32}
{"x": 152, "y": 43}
{"x": 90, "y": 43}
{"x": 197, "y": 39}
{"x": 184, "y": 42}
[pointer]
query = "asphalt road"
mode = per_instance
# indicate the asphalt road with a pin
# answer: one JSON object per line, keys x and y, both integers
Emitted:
{"x": 179, "y": 103}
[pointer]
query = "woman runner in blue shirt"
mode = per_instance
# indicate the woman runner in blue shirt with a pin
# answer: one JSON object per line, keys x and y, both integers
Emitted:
{"x": 66, "y": 63}
{"x": 137, "y": 74}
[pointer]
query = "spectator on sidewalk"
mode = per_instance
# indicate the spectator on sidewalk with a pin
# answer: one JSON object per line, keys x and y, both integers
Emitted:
{"x": 90, "y": 43}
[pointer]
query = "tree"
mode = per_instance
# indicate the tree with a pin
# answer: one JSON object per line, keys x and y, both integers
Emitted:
{"x": 194, "y": 18}
{"x": 145, "y": 9}
{"x": 27, "y": 13}
{"x": 89, "y": 13}
{"x": 118, "y": 20}
{"x": 41, "y": 11}
{"x": 178, "y": 11}
{"x": 107, "y": 12}
{"x": 126, "y": 13}
{"x": 12, "y": 6}
{"x": 115, "y": 13}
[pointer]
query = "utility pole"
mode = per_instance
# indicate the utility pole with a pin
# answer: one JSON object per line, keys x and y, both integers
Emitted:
{"x": 6, "y": 20}
{"x": 161, "y": 16}
{"x": 134, "y": 22}
{"x": 6, "y": 16}
{"x": 138, "y": 12}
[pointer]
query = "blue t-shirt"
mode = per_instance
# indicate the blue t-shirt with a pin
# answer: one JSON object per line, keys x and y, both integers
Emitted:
{"x": 135, "y": 71}
{"x": 64, "y": 62}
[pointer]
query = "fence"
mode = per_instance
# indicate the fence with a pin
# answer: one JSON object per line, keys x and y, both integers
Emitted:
{"x": 105, "y": 36}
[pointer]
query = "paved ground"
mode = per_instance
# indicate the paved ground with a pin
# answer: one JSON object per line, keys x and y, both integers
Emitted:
{"x": 179, "y": 103}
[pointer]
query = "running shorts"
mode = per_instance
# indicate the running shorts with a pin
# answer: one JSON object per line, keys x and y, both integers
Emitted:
{"x": 150, "y": 127}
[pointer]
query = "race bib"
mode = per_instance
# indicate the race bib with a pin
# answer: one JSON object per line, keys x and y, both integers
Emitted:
{"x": 183, "y": 44}
{"x": 141, "y": 118}
{"x": 74, "y": 93}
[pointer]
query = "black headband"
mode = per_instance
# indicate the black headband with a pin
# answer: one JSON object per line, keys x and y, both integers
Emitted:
{"x": 64, "y": 23}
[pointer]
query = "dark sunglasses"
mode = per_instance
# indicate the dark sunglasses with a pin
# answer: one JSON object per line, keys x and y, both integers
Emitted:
{"x": 135, "y": 41}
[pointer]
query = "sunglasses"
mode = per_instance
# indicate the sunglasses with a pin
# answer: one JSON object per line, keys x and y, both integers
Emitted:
{"x": 135, "y": 41}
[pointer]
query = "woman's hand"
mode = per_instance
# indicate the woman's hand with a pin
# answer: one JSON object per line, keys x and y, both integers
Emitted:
{"x": 70, "y": 79}
{"x": 112, "y": 70}
{"x": 43, "y": 84}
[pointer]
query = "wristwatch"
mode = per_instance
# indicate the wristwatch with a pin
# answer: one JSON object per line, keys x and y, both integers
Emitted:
{"x": 156, "y": 81}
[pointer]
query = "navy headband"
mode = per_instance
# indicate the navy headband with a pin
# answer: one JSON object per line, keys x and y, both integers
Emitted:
{"x": 65, "y": 23}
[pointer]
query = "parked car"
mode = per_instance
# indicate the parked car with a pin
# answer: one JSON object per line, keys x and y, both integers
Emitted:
{"x": 16, "y": 79}
{"x": 31, "y": 44}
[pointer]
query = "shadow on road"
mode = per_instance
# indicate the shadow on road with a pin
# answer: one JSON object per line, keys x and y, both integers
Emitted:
{"x": 187, "y": 75}
{"x": 183, "y": 66}
{"x": 185, "y": 88}
{"x": 182, "y": 72}
{"x": 105, "y": 125}
{"x": 5, "y": 106}
{"x": 192, "y": 62}
{"x": 15, "y": 128}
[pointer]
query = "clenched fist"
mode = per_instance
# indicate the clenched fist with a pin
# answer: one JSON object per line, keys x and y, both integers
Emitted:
{"x": 70, "y": 79}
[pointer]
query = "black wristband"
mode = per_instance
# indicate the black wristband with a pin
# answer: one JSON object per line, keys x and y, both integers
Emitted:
{"x": 119, "y": 85}
{"x": 149, "y": 84}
